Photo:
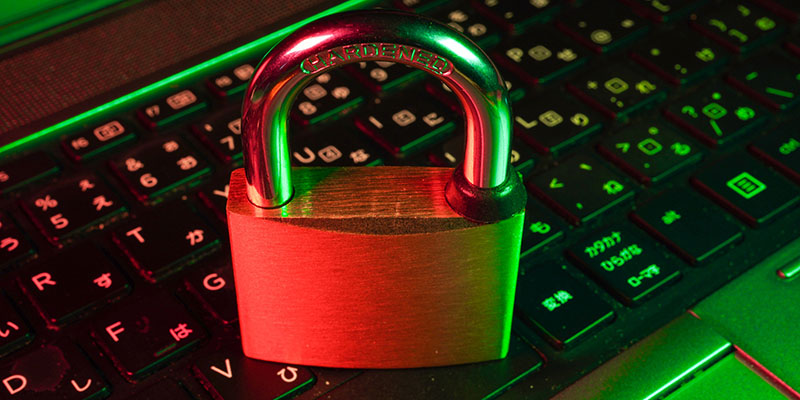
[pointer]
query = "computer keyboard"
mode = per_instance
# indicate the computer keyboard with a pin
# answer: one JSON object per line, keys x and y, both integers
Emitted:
{"x": 656, "y": 140}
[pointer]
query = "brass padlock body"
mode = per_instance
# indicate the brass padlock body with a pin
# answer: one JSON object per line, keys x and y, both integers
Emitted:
{"x": 371, "y": 268}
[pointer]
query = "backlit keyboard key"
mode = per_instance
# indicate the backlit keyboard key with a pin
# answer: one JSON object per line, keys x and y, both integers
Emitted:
{"x": 738, "y": 25}
{"x": 21, "y": 171}
{"x": 142, "y": 336}
{"x": 233, "y": 81}
{"x": 580, "y": 188}
{"x": 383, "y": 76}
{"x": 716, "y": 115}
{"x": 339, "y": 143}
{"x": 781, "y": 149}
{"x": 73, "y": 283}
{"x": 175, "y": 107}
{"x": 516, "y": 16}
{"x": 14, "y": 331}
{"x": 213, "y": 287}
{"x": 688, "y": 224}
{"x": 617, "y": 90}
{"x": 626, "y": 262}
{"x": 650, "y": 151}
{"x": 14, "y": 244}
{"x": 451, "y": 153}
{"x": 603, "y": 26}
{"x": 541, "y": 228}
{"x": 228, "y": 374}
{"x": 552, "y": 123}
{"x": 541, "y": 56}
{"x": 770, "y": 79}
{"x": 101, "y": 139}
{"x": 214, "y": 195}
{"x": 473, "y": 25}
{"x": 221, "y": 133}
{"x": 72, "y": 207}
{"x": 165, "y": 239}
{"x": 56, "y": 371}
{"x": 329, "y": 96}
{"x": 159, "y": 167}
{"x": 680, "y": 57}
{"x": 562, "y": 309}
{"x": 747, "y": 188}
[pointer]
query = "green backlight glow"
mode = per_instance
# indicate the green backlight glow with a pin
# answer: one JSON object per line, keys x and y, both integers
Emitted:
{"x": 660, "y": 391}
{"x": 202, "y": 68}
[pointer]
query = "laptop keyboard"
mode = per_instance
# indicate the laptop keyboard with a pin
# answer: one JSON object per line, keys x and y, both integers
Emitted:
{"x": 655, "y": 139}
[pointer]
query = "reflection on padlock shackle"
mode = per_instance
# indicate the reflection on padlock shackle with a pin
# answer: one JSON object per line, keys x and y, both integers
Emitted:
{"x": 383, "y": 36}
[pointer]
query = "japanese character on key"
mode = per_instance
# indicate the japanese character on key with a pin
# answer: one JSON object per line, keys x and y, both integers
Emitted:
{"x": 180, "y": 332}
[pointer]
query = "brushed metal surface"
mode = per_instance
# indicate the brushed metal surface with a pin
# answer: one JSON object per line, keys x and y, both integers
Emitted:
{"x": 333, "y": 279}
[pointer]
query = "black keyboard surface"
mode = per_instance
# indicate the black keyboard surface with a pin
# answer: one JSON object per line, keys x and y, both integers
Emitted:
{"x": 656, "y": 140}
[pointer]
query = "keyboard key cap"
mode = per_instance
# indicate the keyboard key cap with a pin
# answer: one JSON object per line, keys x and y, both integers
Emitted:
{"x": 168, "y": 110}
{"x": 464, "y": 19}
{"x": 617, "y": 90}
{"x": 221, "y": 133}
{"x": 540, "y": 56}
{"x": 214, "y": 289}
{"x": 214, "y": 195}
{"x": 165, "y": 239}
{"x": 233, "y": 81}
{"x": 680, "y": 57}
{"x": 626, "y": 262}
{"x": 14, "y": 243}
{"x": 14, "y": 331}
{"x": 553, "y": 122}
{"x": 664, "y": 10}
{"x": 143, "y": 336}
{"x": 72, "y": 207}
{"x": 649, "y": 152}
{"x": 384, "y": 76}
{"x": 781, "y": 149}
{"x": 340, "y": 143}
{"x": 73, "y": 283}
{"x": 102, "y": 139}
{"x": 329, "y": 96}
{"x": 738, "y": 25}
{"x": 451, "y": 153}
{"x": 229, "y": 375}
{"x": 516, "y": 16}
{"x": 603, "y": 26}
{"x": 542, "y": 227}
{"x": 748, "y": 189}
{"x": 716, "y": 115}
{"x": 56, "y": 371}
{"x": 772, "y": 79}
{"x": 159, "y": 167}
{"x": 562, "y": 309}
{"x": 166, "y": 389}
{"x": 21, "y": 171}
{"x": 688, "y": 224}
{"x": 580, "y": 188}
{"x": 404, "y": 128}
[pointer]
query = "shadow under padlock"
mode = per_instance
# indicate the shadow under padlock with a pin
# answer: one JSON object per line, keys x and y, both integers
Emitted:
{"x": 383, "y": 267}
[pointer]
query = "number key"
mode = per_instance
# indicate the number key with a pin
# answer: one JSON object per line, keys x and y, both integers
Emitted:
{"x": 222, "y": 134}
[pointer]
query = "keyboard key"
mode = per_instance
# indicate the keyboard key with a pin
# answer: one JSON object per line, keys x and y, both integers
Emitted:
{"x": 680, "y": 57}
{"x": 542, "y": 227}
{"x": 221, "y": 133}
{"x": 159, "y": 167}
{"x": 716, "y": 115}
{"x": 451, "y": 153}
{"x": 540, "y": 56}
{"x": 664, "y": 10}
{"x": 748, "y": 189}
{"x": 329, "y": 96}
{"x": 738, "y": 25}
{"x": 340, "y": 143}
{"x": 553, "y": 122}
{"x": 166, "y": 389}
{"x": 688, "y": 224}
{"x": 781, "y": 149}
{"x": 14, "y": 331}
{"x": 143, "y": 336}
{"x": 580, "y": 188}
{"x": 626, "y": 262}
{"x": 229, "y": 375}
{"x": 102, "y": 139}
{"x": 214, "y": 195}
{"x": 21, "y": 171}
{"x": 772, "y": 79}
{"x": 603, "y": 26}
{"x": 73, "y": 283}
{"x": 617, "y": 90}
{"x": 562, "y": 309}
{"x": 403, "y": 125}
{"x": 473, "y": 25}
{"x": 233, "y": 81}
{"x": 168, "y": 110}
{"x": 383, "y": 76}
{"x": 165, "y": 239}
{"x": 72, "y": 207}
{"x": 14, "y": 243}
{"x": 649, "y": 152}
{"x": 214, "y": 289}
{"x": 516, "y": 16}
{"x": 56, "y": 371}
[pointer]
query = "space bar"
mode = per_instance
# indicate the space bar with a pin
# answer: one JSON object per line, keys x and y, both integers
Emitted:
{"x": 656, "y": 365}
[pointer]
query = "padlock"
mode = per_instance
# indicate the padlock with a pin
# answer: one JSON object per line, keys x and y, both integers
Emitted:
{"x": 375, "y": 267}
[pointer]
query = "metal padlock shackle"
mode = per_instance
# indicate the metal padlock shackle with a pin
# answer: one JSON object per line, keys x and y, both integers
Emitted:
{"x": 379, "y": 36}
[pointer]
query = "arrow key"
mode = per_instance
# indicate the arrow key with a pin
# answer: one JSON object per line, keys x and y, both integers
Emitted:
{"x": 229, "y": 375}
